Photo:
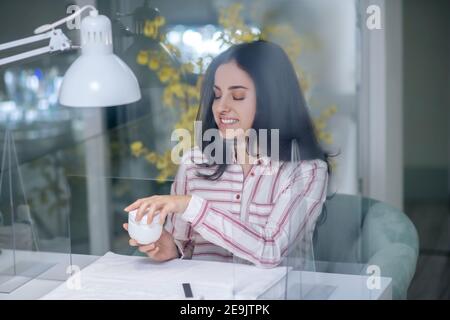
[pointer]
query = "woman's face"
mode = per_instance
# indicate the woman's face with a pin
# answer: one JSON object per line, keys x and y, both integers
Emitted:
{"x": 234, "y": 105}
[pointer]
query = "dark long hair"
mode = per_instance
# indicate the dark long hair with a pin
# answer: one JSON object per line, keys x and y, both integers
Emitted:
{"x": 280, "y": 103}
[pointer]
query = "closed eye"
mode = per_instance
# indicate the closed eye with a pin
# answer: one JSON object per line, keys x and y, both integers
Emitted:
{"x": 234, "y": 98}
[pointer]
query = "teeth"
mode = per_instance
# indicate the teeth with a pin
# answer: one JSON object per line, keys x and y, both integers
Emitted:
{"x": 229, "y": 121}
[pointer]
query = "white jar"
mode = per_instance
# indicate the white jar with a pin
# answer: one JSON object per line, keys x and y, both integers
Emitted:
{"x": 142, "y": 232}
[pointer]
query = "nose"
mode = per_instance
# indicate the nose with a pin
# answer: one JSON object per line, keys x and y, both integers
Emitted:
{"x": 223, "y": 105}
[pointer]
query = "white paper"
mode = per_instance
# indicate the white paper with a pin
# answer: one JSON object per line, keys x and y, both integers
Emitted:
{"x": 116, "y": 276}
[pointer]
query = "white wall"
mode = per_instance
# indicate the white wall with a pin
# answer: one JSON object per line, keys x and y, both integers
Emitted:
{"x": 381, "y": 138}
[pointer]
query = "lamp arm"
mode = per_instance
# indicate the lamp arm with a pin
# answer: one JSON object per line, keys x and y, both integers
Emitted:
{"x": 51, "y": 26}
{"x": 58, "y": 42}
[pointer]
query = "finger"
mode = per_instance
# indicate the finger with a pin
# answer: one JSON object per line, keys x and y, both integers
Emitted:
{"x": 125, "y": 226}
{"x": 139, "y": 202}
{"x": 150, "y": 208}
{"x": 163, "y": 215}
{"x": 146, "y": 207}
{"x": 142, "y": 210}
{"x": 147, "y": 248}
{"x": 134, "y": 205}
{"x": 133, "y": 243}
{"x": 153, "y": 252}
{"x": 153, "y": 210}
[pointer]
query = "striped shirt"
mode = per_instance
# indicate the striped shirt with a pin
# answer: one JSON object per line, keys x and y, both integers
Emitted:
{"x": 256, "y": 218}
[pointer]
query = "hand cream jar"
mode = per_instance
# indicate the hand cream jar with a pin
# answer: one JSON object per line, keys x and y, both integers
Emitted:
{"x": 142, "y": 232}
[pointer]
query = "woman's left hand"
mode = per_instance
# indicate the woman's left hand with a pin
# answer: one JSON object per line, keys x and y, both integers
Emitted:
{"x": 164, "y": 204}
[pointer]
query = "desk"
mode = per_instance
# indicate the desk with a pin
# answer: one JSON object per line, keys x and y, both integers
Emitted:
{"x": 48, "y": 280}
{"x": 344, "y": 286}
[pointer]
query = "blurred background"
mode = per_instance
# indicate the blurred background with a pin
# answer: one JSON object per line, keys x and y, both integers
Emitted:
{"x": 379, "y": 98}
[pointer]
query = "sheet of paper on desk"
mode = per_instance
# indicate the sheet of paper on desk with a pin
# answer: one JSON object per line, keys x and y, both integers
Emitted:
{"x": 116, "y": 276}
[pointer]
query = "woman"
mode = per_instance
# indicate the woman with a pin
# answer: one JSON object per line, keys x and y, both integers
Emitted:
{"x": 220, "y": 209}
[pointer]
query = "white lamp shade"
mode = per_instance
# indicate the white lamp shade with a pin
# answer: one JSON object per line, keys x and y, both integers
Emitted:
{"x": 98, "y": 78}
{"x": 93, "y": 81}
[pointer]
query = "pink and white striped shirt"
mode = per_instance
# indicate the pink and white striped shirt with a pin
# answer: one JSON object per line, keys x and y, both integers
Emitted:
{"x": 256, "y": 218}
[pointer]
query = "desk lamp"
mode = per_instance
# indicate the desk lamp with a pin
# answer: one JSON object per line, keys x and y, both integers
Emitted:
{"x": 98, "y": 78}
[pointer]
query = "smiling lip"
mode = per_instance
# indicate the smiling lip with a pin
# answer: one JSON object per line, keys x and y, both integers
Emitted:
{"x": 227, "y": 122}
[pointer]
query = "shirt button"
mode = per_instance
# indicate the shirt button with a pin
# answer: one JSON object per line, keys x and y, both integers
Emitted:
{"x": 238, "y": 196}
{"x": 252, "y": 174}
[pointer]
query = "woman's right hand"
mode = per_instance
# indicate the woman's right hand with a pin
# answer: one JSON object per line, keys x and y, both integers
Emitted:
{"x": 162, "y": 250}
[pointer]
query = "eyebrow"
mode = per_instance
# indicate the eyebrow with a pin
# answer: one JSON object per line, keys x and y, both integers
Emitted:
{"x": 232, "y": 87}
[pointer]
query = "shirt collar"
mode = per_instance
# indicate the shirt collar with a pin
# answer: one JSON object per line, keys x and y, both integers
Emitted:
{"x": 263, "y": 160}
{"x": 260, "y": 159}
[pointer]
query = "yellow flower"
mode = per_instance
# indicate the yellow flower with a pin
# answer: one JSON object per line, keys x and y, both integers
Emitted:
{"x": 161, "y": 163}
{"x": 247, "y": 37}
{"x": 151, "y": 157}
{"x": 329, "y": 141}
{"x": 177, "y": 90}
{"x": 174, "y": 50}
{"x": 327, "y": 113}
{"x": 320, "y": 124}
{"x": 193, "y": 92}
{"x": 167, "y": 97}
{"x": 188, "y": 67}
{"x": 175, "y": 75}
{"x": 137, "y": 148}
{"x": 153, "y": 64}
{"x": 142, "y": 57}
{"x": 165, "y": 74}
{"x": 150, "y": 30}
{"x": 160, "y": 21}
{"x": 321, "y": 135}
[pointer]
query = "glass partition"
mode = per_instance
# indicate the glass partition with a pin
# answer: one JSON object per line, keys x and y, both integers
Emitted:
{"x": 70, "y": 198}
{"x": 108, "y": 168}
{"x": 35, "y": 219}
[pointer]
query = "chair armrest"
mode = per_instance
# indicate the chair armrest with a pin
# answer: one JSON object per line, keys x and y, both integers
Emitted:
{"x": 390, "y": 241}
